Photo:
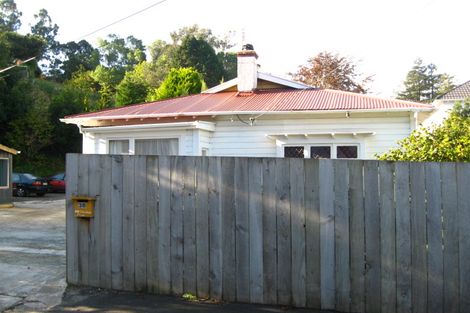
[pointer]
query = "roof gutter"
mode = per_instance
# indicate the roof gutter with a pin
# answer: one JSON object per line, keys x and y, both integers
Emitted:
{"x": 213, "y": 114}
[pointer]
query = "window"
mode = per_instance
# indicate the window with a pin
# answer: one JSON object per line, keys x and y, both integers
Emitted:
{"x": 325, "y": 151}
{"x": 4, "y": 172}
{"x": 118, "y": 147}
{"x": 156, "y": 146}
{"x": 320, "y": 152}
{"x": 346, "y": 152}
{"x": 294, "y": 152}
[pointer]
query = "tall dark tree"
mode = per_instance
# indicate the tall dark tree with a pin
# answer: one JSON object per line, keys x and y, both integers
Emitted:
{"x": 423, "y": 84}
{"x": 76, "y": 56}
{"x": 229, "y": 64}
{"x": 198, "y": 54}
{"x": 9, "y": 16}
{"x": 121, "y": 54}
{"x": 332, "y": 71}
{"x": 45, "y": 29}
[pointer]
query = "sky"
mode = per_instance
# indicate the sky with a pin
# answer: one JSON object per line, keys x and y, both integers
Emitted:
{"x": 382, "y": 37}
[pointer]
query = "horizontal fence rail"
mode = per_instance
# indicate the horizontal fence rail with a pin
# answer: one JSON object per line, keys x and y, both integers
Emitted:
{"x": 346, "y": 235}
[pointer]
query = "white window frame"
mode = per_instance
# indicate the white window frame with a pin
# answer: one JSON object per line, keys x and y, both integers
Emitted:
{"x": 332, "y": 146}
{"x": 133, "y": 139}
{"x": 131, "y": 148}
{"x": 8, "y": 174}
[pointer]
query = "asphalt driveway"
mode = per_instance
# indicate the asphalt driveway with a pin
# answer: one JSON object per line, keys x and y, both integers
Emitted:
{"x": 32, "y": 254}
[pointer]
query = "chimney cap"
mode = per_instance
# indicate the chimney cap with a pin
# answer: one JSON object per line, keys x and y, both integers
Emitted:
{"x": 248, "y": 47}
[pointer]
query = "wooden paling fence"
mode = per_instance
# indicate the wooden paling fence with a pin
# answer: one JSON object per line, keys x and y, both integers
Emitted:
{"x": 348, "y": 235}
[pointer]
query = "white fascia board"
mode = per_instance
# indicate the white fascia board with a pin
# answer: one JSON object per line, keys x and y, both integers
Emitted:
{"x": 208, "y": 126}
{"x": 222, "y": 87}
{"x": 283, "y": 81}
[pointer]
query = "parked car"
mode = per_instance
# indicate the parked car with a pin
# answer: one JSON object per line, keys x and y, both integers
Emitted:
{"x": 56, "y": 183}
{"x": 25, "y": 184}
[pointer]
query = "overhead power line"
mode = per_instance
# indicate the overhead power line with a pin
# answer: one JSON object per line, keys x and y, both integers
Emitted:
{"x": 122, "y": 19}
{"x": 18, "y": 63}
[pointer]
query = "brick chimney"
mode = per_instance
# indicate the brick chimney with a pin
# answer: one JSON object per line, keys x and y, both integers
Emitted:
{"x": 247, "y": 69}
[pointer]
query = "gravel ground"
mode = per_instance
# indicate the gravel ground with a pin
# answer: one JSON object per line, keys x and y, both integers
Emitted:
{"x": 32, "y": 254}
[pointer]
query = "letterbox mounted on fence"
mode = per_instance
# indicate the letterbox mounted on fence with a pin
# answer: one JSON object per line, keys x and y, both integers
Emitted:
{"x": 83, "y": 206}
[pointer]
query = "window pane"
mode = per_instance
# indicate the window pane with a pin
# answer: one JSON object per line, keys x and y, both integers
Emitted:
{"x": 3, "y": 173}
{"x": 346, "y": 152}
{"x": 294, "y": 152}
{"x": 119, "y": 147}
{"x": 320, "y": 152}
{"x": 156, "y": 147}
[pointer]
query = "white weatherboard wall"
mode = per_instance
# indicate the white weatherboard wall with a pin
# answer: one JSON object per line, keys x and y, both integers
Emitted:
{"x": 376, "y": 133}
{"x": 234, "y": 138}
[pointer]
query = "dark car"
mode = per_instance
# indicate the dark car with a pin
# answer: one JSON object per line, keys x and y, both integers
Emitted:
{"x": 25, "y": 184}
{"x": 56, "y": 183}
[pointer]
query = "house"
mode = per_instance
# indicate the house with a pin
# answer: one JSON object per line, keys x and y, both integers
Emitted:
{"x": 255, "y": 114}
{"x": 445, "y": 103}
{"x": 6, "y": 165}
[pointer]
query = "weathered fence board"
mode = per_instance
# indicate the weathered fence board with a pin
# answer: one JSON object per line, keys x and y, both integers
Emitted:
{"x": 269, "y": 232}
{"x": 229, "y": 283}
{"x": 242, "y": 235}
{"x": 403, "y": 236}
{"x": 312, "y": 234}
{"x": 72, "y": 246}
{"x": 255, "y": 211}
{"x": 357, "y": 249}
{"x": 128, "y": 223}
{"x": 176, "y": 222}
{"x": 202, "y": 228}
{"x": 297, "y": 208}
{"x": 434, "y": 237}
{"x": 164, "y": 220}
{"x": 418, "y": 238}
{"x": 189, "y": 226}
{"x": 451, "y": 237}
{"x": 284, "y": 283}
{"x": 463, "y": 187}
{"x": 327, "y": 234}
{"x": 342, "y": 244}
{"x": 140, "y": 218}
{"x": 387, "y": 239}
{"x": 345, "y": 235}
{"x": 152, "y": 239}
{"x": 372, "y": 237}
{"x": 215, "y": 228}
{"x": 83, "y": 225}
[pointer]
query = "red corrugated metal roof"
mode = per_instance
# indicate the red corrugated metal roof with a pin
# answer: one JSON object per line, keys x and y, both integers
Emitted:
{"x": 274, "y": 100}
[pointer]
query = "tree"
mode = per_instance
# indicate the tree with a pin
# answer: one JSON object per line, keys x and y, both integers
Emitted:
{"x": 179, "y": 82}
{"x": 121, "y": 54}
{"x": 134, "y": 87}
{"x": 332, "y": 71}
{"x": 219, "y": 44}
{"x": 9, "y": 16}
{"x": 448, "y": 142}
{"x": 229, "y": 64}
{"x": 423, "y": 84}
{"x": 76, "y": 56}
{"x": 198, "y": 54}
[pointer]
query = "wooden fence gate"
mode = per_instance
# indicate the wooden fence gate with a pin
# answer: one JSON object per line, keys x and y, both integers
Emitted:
{"x": 348, "y": 235}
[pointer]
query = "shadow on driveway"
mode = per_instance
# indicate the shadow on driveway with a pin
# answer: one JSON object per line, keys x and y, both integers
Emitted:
{"x": 78, "y": 299}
